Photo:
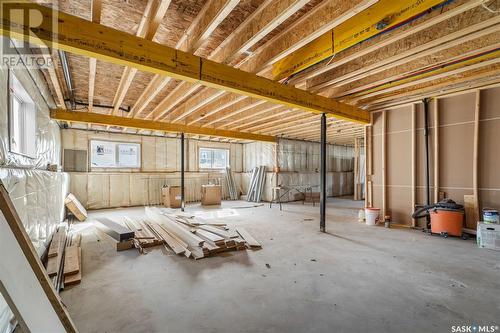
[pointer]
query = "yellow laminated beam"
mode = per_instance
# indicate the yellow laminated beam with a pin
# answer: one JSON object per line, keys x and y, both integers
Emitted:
{"x": 107, "y": 120}
{"x": 79, "y": 36}
{"x": 381, "y": 16}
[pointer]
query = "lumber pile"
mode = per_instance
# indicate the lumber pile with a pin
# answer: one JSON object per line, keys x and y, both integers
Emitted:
{"x": 231, "y": 185}
{"x": 64, "y": 258}
{"x": 186, "y": 235}
{"x": 256, "y": 185}
{"x": 72, "y": 271}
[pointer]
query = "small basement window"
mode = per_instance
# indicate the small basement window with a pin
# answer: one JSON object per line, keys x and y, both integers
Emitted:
{"x": 213, "y": 158}
{"x": 111, "y": 154}
{"x": 22, "y": 119}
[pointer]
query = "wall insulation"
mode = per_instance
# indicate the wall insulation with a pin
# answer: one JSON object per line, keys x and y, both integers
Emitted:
{"x": 160, "y": 165}
{"x": 455, "y": 142}
{"x": 37, "y": 194}
{"x": 299, "y": 163}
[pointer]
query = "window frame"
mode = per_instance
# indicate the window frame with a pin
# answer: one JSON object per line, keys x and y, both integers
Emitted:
{"x": 117, "y": 160}
{"x": 25, "y": 100}
{"x": 228, "y": 155}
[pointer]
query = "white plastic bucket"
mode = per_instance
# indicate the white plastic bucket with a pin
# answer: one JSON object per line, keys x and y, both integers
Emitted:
{"x": 372, "y": 215}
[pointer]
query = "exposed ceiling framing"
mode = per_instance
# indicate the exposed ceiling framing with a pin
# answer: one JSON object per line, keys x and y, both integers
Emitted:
{"x": 446, "y": 51}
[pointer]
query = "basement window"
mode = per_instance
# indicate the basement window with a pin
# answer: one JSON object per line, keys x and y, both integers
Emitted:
{"x": 22, "y": 119}
{"x": 213, "y": 158}
{"x": 111, "y": 154}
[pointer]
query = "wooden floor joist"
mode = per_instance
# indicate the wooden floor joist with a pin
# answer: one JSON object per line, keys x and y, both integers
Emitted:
{"x": 82, "y": 37}
{"x": 101, "y": 119}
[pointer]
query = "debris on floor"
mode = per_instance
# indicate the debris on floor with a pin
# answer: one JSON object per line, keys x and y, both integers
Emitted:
{"x": 64, "y": 258}
{"x": 181, "y": 233}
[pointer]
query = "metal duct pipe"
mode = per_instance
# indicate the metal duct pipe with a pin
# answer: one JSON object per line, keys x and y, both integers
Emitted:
{"x": 67, "y": 78}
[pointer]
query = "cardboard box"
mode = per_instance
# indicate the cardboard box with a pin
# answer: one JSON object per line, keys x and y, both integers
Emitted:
{"x": 171, "y": 196}
{"x": 75, "y": 207}
{"x": 211, "y": 194}
{"x": 488, "y": 236}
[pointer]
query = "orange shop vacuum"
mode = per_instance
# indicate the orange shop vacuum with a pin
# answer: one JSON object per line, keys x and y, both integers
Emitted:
{"x": 447, "y": 218}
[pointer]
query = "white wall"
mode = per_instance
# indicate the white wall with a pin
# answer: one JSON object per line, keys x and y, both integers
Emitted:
{"x": 160, "y": 165}
{"x": 37, "y": 194}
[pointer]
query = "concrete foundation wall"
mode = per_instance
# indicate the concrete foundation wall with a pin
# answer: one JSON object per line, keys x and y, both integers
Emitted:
{"x": 455, "y": 157}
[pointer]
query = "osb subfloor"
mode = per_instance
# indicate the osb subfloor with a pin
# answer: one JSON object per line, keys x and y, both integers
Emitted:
{"x": 355, "y": 278}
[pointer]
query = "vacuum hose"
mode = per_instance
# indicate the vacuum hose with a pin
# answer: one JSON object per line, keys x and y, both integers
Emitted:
{"x": 446, "y": 204}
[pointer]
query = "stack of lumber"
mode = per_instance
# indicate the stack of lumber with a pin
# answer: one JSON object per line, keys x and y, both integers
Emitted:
{"x": 122, "y": 236}
{"x": 72, "y": 271}
{"x": 64, "y": 258}
{"x": 144, "y": 237}
{"x": 231, "y": 185}
{"x": 194, "y": 237}
{"x": 55, "y": 256}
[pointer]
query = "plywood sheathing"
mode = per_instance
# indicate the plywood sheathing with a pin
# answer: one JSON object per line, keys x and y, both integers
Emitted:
{"x": 126, "y": 16}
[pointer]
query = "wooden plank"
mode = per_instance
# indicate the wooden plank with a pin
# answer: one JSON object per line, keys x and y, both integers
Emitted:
{"x": 125, "y": 49}
{"x": 114, "y": 230}
{"x": 71, "y": 260}
{"x": 177, "y": 247}
{"x": 54, "y": 245}
{"x": 475, "y": 158}
{"x": 436, "y": 149}
{"x": 414, "y": 160}
{"x": 100, "y": 119}
{"x": 15, "y": 225}
{"x": 210, "y": 237}
{"x": 252, "y": 242}
{"x": 471, "y": 216}
{"x": 75, "y": 207}
{"x": 76, "y": 278}
{"x": 217, "y": 231}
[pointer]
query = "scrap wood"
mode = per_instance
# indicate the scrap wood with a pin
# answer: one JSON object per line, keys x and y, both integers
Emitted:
{"x": 211, "y": 238}
{"x": 247, "y": 237}
{"x": 75, "y": 207}
{"x": 54, "y": 264}
{"x": 215, "y": 230}
{"x": 114, "y": 229}
{"x": 77, "y": 277}
{"x": 71, "y": 265}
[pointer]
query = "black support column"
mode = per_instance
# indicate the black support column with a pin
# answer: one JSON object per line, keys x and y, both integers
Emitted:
{"x": 322, "y": 205}
{"x": 182, "y": 172}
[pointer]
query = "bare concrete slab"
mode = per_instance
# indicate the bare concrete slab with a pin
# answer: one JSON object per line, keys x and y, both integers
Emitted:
{"x": 355, "y": 278}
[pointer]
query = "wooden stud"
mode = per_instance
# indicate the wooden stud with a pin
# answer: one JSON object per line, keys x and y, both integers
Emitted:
{"x": 413, "y": 160}
{"x": 475, "y": 158}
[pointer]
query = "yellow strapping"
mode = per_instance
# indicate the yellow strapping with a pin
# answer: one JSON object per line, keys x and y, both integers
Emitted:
{"x": 351, "y": 32}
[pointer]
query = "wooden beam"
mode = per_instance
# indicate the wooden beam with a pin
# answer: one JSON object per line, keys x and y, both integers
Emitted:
{"x": 261, "y": 22}
{"x": 109, "y": 120}
{"x": 153, "y": 15}
{"x": 382, "y": 40}
{"x": 223, "y": 103}
{"x": 489, "y": 75}
{"x": 233, "y": 111}
{"x": 331, "y": 13}
{"x": 315, "y": 23}
{"x": 403, "y": 56}
{"x": 96, "y": 18}
{"x": 209, "y": 18}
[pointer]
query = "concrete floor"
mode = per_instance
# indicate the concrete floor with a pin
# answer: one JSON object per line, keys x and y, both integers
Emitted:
{"x": 355, "y": 278}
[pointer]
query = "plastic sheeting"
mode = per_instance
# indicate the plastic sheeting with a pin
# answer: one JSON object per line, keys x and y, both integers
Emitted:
{"x": 108, "y": 190}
